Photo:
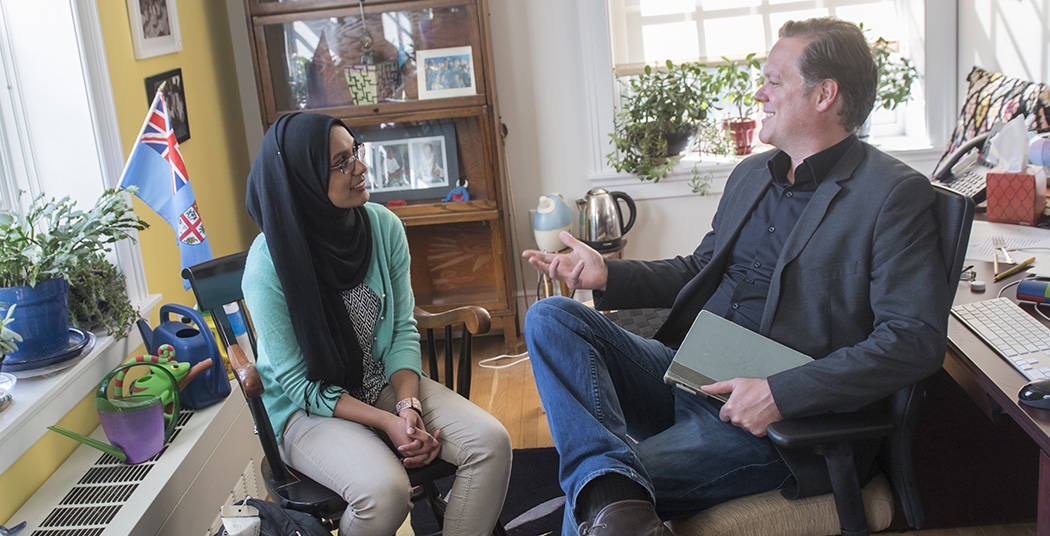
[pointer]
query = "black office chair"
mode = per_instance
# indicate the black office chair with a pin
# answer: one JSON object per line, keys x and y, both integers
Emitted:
{"x": 884, "y": 438}
{"x": 218, "y": 282}
{"x": 832, "y": 436}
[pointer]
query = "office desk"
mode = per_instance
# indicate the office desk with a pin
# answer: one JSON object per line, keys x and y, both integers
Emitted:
{"x": 993, "y": 384}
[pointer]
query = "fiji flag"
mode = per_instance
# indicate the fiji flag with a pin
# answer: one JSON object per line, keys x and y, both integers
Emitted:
{"x": 156, "y": 168}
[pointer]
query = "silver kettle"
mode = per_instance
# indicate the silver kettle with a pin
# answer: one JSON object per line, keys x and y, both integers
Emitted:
{"x": 601, "y": 221}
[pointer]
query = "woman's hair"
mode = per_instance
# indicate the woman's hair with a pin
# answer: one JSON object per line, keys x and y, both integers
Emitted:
{"x": 837, "y": 50}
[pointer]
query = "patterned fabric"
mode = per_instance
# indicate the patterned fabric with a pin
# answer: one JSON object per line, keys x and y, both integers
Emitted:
{"x": 363, "y": 306}
{"x": 995, "y": 97}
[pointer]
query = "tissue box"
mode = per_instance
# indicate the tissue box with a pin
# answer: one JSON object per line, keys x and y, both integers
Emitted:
{"x": 1017, "y": 198}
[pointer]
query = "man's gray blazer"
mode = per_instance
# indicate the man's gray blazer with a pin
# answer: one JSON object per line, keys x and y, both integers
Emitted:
{"x": 859, "y": 285}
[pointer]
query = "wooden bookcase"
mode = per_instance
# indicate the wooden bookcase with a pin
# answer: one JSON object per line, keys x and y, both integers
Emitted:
{"x": 362, "y": 62}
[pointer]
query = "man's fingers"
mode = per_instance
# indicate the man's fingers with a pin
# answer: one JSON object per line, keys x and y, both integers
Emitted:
{"x": 718, "y": 388}
{"x": 569, "y": 240}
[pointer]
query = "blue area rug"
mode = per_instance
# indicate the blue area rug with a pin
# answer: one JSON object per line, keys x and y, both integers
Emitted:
{"x": 535, "y": 503}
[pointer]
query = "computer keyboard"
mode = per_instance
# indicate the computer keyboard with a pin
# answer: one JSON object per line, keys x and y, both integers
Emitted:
{"x": 1013, "y": 333}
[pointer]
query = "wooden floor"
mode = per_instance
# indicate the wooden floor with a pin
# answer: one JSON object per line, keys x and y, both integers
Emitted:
{"x": 510, "y": 395}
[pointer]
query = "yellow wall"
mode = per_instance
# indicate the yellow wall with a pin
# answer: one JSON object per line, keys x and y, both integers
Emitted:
{"x": 217, "y": 162}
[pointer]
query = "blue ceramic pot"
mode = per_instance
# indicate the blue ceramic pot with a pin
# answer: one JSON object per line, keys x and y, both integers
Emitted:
{"x": 42, "y": 318}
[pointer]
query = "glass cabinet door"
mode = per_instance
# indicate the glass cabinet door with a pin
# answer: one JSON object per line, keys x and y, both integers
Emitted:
{"x": 359, "y": 56}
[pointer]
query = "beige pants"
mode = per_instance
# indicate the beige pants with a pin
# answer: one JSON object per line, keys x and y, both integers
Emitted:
{"x": 349, "y": 458}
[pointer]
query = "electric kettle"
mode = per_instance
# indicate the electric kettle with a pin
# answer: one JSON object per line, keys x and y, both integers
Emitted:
{"x": 601, "y": 220}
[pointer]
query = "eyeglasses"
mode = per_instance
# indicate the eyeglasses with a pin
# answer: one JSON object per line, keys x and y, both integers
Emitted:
{"x": 346, "y": 167}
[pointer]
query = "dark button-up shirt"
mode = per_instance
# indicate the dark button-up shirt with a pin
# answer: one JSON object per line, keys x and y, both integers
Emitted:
{"x": 741, "y": 296}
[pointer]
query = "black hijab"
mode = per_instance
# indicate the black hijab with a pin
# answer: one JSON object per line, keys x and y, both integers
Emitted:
{"x": 318, "y": 249}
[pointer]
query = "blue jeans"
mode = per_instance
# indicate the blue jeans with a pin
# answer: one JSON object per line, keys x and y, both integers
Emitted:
{"x": 610, "y": 412}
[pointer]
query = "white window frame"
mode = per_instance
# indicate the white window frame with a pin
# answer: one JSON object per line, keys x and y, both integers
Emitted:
{"x": 939, "y": 85}
{"x": 43, "y": 401}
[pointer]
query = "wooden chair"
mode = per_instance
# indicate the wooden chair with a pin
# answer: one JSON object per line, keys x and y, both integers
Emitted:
{"x": 832, "y": 441}
{"x": 218, "y": 282}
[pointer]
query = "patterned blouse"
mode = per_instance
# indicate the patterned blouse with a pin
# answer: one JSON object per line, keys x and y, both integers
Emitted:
{"x": 362, "y": 304}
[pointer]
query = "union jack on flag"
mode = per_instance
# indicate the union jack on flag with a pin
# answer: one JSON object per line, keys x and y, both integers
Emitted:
{"x": 156, "y": 167}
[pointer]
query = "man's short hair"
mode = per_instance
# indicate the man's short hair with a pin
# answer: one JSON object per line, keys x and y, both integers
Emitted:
{"x": 837, "y": 50}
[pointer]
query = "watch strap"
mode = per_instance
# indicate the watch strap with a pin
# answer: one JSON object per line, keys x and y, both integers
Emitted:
{"x": 409, "y": 403}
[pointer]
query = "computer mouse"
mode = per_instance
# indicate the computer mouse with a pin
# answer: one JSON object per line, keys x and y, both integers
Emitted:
{"x": 1036, "y": 393}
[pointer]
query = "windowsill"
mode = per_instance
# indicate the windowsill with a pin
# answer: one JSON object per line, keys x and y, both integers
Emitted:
{"x": 42, "y": 401}
{"x": 919, "y": 155}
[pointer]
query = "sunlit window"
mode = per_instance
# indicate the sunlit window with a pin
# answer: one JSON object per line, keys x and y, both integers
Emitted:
{"x": 648, "y": 32}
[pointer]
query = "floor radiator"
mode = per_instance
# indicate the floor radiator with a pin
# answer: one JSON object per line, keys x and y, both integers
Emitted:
{"x": 212, "y": 459}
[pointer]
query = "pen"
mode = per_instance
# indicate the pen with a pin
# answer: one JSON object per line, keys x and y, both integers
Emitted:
{"x": 995, "y": 262}
{"x": 1016, "y": 268}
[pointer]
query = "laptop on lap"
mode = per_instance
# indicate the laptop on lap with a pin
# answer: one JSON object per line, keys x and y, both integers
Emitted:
{"x": 717, "y": 349}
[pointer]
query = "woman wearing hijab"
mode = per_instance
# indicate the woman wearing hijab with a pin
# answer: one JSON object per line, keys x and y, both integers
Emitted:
{"x": 328, "y": 285}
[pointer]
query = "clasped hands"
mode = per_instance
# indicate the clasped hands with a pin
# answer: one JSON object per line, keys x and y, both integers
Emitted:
{"x": 415, "y": 445}
{"x": 750, "y": 405}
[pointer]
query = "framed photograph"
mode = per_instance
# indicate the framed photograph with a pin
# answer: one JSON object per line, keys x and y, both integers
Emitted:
{"x": 445, "y": 72}
{"x": 154, "y": 27}
{"x": 174, "y": 101}
{"x": 410, "y": 163}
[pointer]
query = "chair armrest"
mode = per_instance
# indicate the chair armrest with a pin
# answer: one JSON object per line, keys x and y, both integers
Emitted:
{"x": 476, "y": 319}
{"x": 833, "y": 427}
{"x": 247, "y": 375}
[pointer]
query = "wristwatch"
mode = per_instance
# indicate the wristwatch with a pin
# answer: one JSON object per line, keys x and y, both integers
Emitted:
{"x": 410, "y": 402}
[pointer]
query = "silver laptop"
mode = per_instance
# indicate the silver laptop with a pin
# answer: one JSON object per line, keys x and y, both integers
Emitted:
{"x": 717, "y": 349}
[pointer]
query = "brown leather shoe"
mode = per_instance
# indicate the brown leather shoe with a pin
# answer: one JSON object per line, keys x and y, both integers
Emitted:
{"x": 626, "y": 518}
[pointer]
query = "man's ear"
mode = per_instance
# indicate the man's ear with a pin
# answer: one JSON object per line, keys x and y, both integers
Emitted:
{"x": 827, "y": 94}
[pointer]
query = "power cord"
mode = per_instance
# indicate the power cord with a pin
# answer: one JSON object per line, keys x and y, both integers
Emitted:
{"x": 1018, "y": 282}
{"x": 484, "y": 363}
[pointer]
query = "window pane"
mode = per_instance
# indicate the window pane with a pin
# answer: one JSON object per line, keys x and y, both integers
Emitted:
{"x": 733, "y": 36}
{"x": 713, "y": 5}
{"x": 652, "y": 8}
{"x": 670, "y": 41}
{"x": 880, "y": 19}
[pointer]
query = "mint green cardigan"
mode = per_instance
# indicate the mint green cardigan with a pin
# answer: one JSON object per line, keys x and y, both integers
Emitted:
{"x": 280, "y": 362}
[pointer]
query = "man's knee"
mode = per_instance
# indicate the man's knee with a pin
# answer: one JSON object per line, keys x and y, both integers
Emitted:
{"x": 548, "y": 313}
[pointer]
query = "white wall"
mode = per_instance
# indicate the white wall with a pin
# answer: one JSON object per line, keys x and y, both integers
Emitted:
{"x": 539, "y": 79}
{"x": 1008, "y": 36}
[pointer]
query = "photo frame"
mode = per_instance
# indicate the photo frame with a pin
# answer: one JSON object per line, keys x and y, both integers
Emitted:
{"x": 154, "y": 27}
{"x": 410, "y": 163}
{"x": 445, "y": 72}
{"x": 174, "y": 100}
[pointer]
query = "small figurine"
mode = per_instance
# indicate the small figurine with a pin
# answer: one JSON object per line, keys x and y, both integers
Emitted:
{"x": 458, "y": 194}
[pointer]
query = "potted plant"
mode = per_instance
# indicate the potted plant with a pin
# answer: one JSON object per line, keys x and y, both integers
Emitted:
{"x": 658, "y": 117}
{"x": 896, "y": 76}
{"x": 737, "y": 82}
{"x": 42, "y": 248}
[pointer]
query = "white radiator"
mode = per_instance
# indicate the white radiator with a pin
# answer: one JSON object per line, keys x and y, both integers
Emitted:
{"x": 212, "y": 459}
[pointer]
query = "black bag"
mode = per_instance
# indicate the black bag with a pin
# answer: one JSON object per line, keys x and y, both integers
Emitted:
{"x": 277, "y": 521}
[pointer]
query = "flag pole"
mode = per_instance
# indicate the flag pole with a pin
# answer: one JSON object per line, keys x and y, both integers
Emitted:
{"x": 135, "y": 147}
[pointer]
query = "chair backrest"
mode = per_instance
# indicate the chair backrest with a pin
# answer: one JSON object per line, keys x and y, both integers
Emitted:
{"x": 953, "y": 213}
{"x": 472, "y": 320}
{"x": 216, "y": 283}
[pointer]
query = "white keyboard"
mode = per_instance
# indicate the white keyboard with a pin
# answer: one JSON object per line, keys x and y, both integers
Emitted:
{"x": 1013, "y": 333}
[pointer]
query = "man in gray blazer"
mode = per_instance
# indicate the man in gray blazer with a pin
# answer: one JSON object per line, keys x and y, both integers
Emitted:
{"x": 825, "y": 244}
